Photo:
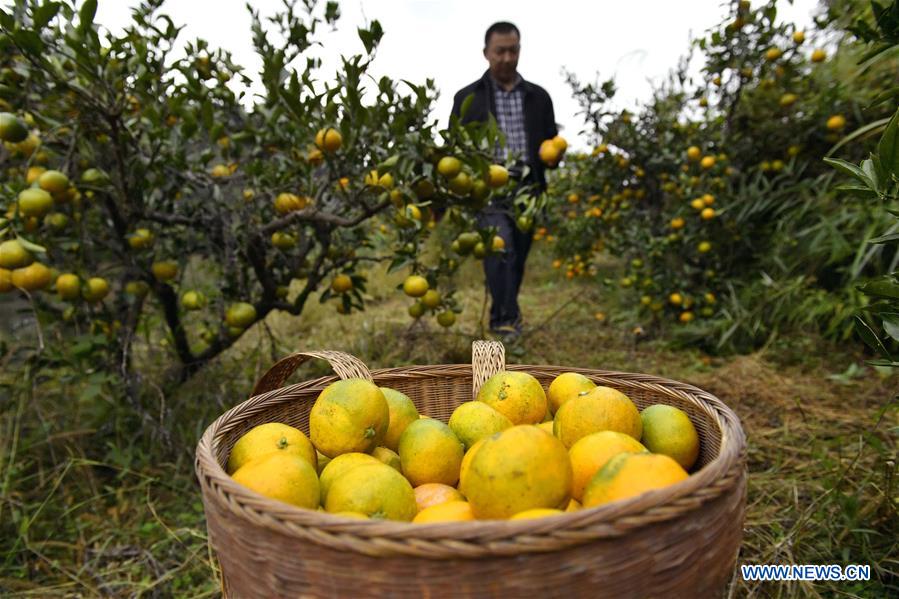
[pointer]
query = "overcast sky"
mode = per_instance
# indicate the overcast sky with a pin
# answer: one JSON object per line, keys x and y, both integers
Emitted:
{"x": 636, "y": 41}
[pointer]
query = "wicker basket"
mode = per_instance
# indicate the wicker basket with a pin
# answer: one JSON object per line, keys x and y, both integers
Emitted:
{"x": 681, "y": 541}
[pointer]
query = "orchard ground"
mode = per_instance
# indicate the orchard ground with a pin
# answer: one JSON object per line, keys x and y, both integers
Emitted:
{"x": 102, "y": 511}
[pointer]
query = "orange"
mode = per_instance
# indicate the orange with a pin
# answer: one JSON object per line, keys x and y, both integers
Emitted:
{"x": 33, "y": 277}
{"x": 389, "y": 457}
{"x": 517, "y": 395}
{"x": 402, "y": 413}
{"x": 546, "y": 426}
{"x": 339, "y": 466}
{"x": 415, "y": 286}
{"x": 564, "y": 387}
{"x": 497, "y": 175}
{"x": 669, "y": 431}
{"x": 630, "y": 474}
{"x": 53, "y": 181}
{"x": 549, "y": 153}
{"x": 451, "y": 511}
{"x": 836, "y": 123}
{"x": 272, "y": 437}
{"x": 328, "y": 140}
{"x": 600, "y": 409}
{"x": 534, "y": 514}
{"x": 430, "y": 494}
{"x": 164, "y": 270}
{"x": 592, "y": 452}
{"x": 5, "y": 280}
{"x": 349, "y": 416}
{"x": 13, "y": 254}
{"x": 449, "y": 166}
{"x": 518, "y": 469}
{"x": 354, "y": 515}
{"x": 474, "y": 420}
{"x": 95, "y": 289}
{"x": 466, "y": 459}
{"x": 281, "y": 476}
{"x": 34, "y": 202}
{"x": 693, "y": 153}
{"x": 376, "y": 490}
{"x": 240, "y": 315}
{"x": 341, "y": 283}
{"x": 430, "y": 453}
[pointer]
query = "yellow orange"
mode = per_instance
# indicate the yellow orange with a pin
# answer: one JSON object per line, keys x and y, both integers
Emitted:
{"x": 564, "y": 387}
{"x": 283, "y": 477}
{"x": 450, "y": 511}
{"x": 402, "y": 413}
{"x": 627, "y": 475}
{"x": 268, "y": 438}
{"x": 517, "y": 395}
{"x": 518, "y": 469}
{"x": 600, "y": 409}
{"x": 589, "y": 454}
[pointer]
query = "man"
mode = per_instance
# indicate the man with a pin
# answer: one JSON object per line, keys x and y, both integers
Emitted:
{"x": 524, "y": 113}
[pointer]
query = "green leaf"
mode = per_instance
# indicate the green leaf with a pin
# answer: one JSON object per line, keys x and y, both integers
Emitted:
{"x": 44, "y": 14}
{"x": 891, "y": 326}
{"x": 466, "y": 104}
{"x": 884, "y": 288}
{"x": 890, "y": 239}
{"x": 850, "y": 169}
{"x": 31, "y": 246}
{"x": 29, "y": 41}
{"x": 870, "y": 337}
{"x": 86, "y": 14}
{"x": 888, "y": 147}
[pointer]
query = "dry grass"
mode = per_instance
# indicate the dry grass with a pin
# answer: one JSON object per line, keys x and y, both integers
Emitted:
{"x": 92, "y": 507}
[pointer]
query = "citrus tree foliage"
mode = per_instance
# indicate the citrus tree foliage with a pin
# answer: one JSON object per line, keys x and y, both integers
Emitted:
{"x": 715, "y": 196}
{"x": 876, "y": 179}
{"x": 161, "y": 196}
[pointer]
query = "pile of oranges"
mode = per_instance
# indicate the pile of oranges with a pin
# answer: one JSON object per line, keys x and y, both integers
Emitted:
{"x": 517, "y": 451}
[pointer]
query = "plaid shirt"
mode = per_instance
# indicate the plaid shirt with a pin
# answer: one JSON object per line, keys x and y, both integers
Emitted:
{"x": 510, "y": 117}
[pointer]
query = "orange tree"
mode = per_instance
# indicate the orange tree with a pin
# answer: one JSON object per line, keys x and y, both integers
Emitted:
{"x": 154, "y": 194}
{"x": 876, "y": 179}
{"x": 715, "y": 195}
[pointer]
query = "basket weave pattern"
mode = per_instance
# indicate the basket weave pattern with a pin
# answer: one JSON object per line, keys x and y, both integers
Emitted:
{"x": 674, "y": 542}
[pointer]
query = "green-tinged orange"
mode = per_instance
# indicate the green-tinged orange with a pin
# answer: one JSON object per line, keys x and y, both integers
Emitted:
{"x": 430, "y": 453}
{"x": 402, "y": 413}
{"x": 668, "y": 430}
{"x": 591, "y": 453}
{"x": 627, "y": 475}
{"x": 376, "y": 490}
{"x": 474, "y": 420}
{"x": 519, "y": 469}
{"x": 337, "y": 467}
{"x": 349, "y": 416}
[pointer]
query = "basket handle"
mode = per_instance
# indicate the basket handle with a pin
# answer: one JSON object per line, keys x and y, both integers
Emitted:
{"x": 345, "y": 365}
{"x": 487, "y": 358}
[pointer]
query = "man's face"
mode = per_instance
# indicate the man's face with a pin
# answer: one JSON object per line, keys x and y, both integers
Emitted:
{"x": 502, "y": 54}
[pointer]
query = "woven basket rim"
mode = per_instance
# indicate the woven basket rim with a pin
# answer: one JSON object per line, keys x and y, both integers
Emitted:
{"x": 505, "y": 536}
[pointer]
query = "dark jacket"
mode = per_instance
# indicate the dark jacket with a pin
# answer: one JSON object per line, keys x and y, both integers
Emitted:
{"x": 539, "y": 118}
